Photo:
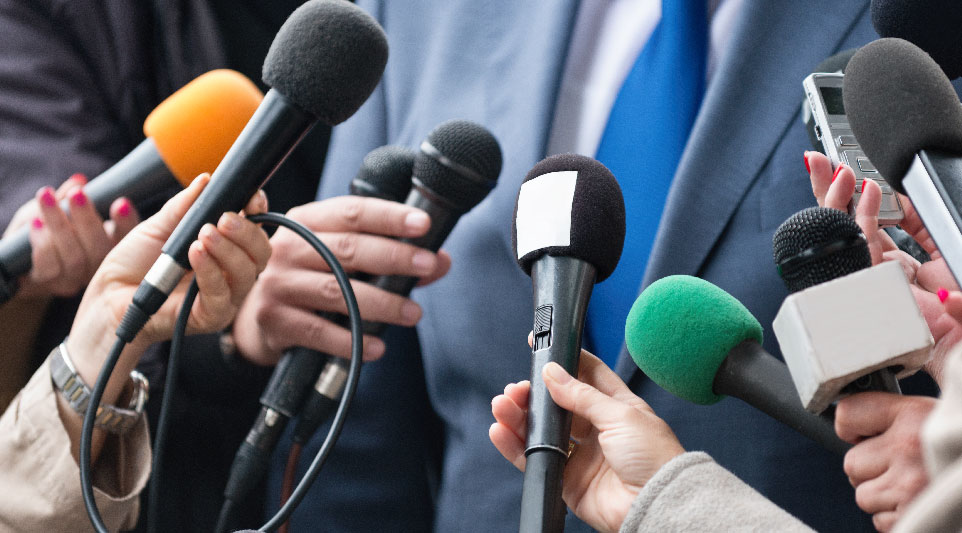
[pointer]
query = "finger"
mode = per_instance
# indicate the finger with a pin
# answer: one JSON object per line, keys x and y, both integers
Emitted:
{"x": 248, "y": 237}
{"x": 841, "y": 189}
{"x": 953, "y": 305}
{"x": 510, "y": 446}
{"x": 162, "y": 224}
{"x": 596, "y": 373}
{"x": 76, "y": 180}
{"x": 123, "y": 218}
{"x": 321, "y": 292}
{"x": 291, "y": 326}
{"x": 820, "y": 173}
{"x": 865, "y": 414}
{"x": 935, "y": 274}
{"x": 89, "y": 228}
{"x": 868, "y": 460}
{"x": 358, "y": 252}
{"x": 45, "y": 263}
{"x": 912, "y": 224}
{"x": 876, "y": 495}
{"x": 866, "y": 216}
{"x": 885, "y": 520}
{"x": 442, "y": 268}
{"x": 257, "y": 204}
{"x": 583, "y": 400}
{"x": 507, "y": 413}
{"x": 237, "y": 268}
{"x": 363, "y": 215}
{"x": 213, "y": 308}
{"x": 72, "y": 269}
{"x": 910, "y": 265}
{"x": 519, "y": 393}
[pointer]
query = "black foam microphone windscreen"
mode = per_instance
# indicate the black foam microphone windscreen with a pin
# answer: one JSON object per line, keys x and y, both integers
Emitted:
{"x": 933, "y": 25}
{"x": 899, "y": 102}
{"x": 816, "y": 245}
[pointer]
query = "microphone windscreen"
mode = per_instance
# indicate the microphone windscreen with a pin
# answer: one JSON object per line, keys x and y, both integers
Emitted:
{"x": 933, "y": 25}
{"x": 570, "y": 205}
{"x": 816, "y": 245}
{"x": 680, "y": 330}
{"x": 899, "y": 102}
{"x": 385, "y": 173}
{"x": 459, "y": 161}
{"x": 327, "y": 58}
{"x": 194, "y": 127}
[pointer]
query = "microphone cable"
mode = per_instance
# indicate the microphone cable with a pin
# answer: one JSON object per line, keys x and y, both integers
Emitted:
{"x": 133, "y": 321}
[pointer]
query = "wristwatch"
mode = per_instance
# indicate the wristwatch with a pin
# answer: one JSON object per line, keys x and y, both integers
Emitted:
{"x": 109, "y": 418}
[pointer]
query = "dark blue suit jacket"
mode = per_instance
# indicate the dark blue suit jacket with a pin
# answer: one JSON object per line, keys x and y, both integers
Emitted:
{"x": 499, "y": 63}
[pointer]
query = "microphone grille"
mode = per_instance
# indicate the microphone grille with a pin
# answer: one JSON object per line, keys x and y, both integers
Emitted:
{"x": 459, "y": 161}
{"x": 816, "y": 245}
{"x": 385, "y": 173}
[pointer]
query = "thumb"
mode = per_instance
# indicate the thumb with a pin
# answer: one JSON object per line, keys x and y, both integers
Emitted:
{"x": 599, "y": 409}
{"x": 162, "y": 224}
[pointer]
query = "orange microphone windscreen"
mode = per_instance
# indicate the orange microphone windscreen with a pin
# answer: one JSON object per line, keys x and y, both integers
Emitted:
{"x": 194, "y": 127}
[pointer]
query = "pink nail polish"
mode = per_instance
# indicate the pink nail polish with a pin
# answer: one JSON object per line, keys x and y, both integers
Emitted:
{"x": 943, "y": 295}
{"x": 79, "y": 178}
{"x": 807, "y": 168}
{"x": 124, "y": 209}
{"x": 79, "y": 199}
{"x": 37, "y": 223}
{"x": 47, "y": 197}
{"x": 837, "y": 170}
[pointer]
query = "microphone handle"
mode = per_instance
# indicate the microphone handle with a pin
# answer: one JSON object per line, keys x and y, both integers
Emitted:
{"x": 140, "y": 176}
{"x": 756, "y": 377}
{"x": 562, "y": 288}
{"x": 933, "y": 184}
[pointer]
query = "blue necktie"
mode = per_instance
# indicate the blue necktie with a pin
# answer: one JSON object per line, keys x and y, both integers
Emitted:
{"x": 641, "y": 145}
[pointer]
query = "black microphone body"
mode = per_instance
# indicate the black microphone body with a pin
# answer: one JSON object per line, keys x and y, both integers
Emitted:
{"x": 758, "y": 378}
{"x": 562, "y": 289}
{"x": 139, "y": 176}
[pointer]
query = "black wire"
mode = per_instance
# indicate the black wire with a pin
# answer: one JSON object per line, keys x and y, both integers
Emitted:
{"x": 170, "y": 384}
{"x": 86, "y": 436}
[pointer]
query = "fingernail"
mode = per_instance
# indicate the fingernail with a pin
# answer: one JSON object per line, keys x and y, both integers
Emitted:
{"x": 423, "y": 262}
{"x": 37, "y": 223}
{"x": 837, "y": 170}
{"x": 557, "y": 373}
{"x": 79, "y": 198}
{"x": 943, "y": 295}
{"x": 373, "y": 348}
{"x": 124, "y": 209}
{"x": 417, "y": 221}
{"x": 807, "y": 168}
{"x": 210, "y": 233}
{"x": 229, "y": 221}
{"x": 47, "y": 197}
{"x": 411, "y": 311}
{"x": 79, "y": 178}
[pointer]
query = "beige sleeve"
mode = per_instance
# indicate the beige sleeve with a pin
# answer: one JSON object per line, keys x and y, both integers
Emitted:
{"x": 39, "y": 479}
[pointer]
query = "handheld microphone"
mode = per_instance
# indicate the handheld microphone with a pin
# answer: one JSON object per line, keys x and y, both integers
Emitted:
{"x": 824, "y": 260}
{"x": 385, "y": 173}
{"x": 568, "y": 233}
{"x": 701, "y": 344}
{"x": 323, "y": 64}
{"x": 932, "y": 25}
{"x": 907, "y": 117}
{"x": 187, "y": 134}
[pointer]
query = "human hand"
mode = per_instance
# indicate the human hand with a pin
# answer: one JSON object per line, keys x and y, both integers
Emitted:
{"x": 885, "y": 466}
{"x": 67, "y": 248}
{"x": 281, "y": 311}
{"x": 621, "y": 442}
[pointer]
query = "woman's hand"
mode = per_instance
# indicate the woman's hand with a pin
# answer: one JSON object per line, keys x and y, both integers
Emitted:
{"x": 621, "y": 442}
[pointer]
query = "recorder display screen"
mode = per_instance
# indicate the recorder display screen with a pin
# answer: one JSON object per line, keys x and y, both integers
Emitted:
{"x": 833, "y": 100}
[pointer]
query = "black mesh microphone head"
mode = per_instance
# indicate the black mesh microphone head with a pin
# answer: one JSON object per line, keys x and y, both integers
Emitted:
{"x": 327, "y": 58}
{"x": 933, "y": 25}
{"x": 834, "y": 63}
{"x": 459, "y": 162}
{"x": 816, "y": 245}
{"x": 570, "y": 205}
{"x": 385, "y": 173}
{"x": 899, "y": 102}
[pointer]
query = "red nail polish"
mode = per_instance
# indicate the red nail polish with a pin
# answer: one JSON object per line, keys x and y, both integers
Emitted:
{"x": 837, "y": 170}
{"x": 79, "y": 198}
{"x": 124, "y": 209}
{"x": 47, "y": 197}
{"x": 943, "y": 295}
{"x": 807, "y": 168}
{"x": 37, "y": 223}
{"x": 79, "y": 178}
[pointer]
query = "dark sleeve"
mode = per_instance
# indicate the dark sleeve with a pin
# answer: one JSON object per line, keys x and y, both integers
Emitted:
{"x": 56, "y": 110}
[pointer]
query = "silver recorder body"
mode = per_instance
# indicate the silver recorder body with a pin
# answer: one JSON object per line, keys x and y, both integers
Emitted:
{"x": 824, "y": 94}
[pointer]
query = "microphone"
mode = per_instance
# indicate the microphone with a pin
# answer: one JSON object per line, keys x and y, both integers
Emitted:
{"x": 824, "y": 261}
{"x": 323, "y": 64}
{"x": 932, "y": 25}
{"x": 701, "y": 344}
{"x": 385, "y": 173}
{"x": 568, "y": 233}
{"x": 187, "y": 134}
{"x": 907, "y": 117}
{"x": 456, "y": 167}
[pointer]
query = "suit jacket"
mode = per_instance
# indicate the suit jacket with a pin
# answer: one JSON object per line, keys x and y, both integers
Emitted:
{"x": 741, "y": 175}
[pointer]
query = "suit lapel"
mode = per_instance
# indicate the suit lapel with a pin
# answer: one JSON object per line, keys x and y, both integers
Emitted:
{"x": 753, "y": 98}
